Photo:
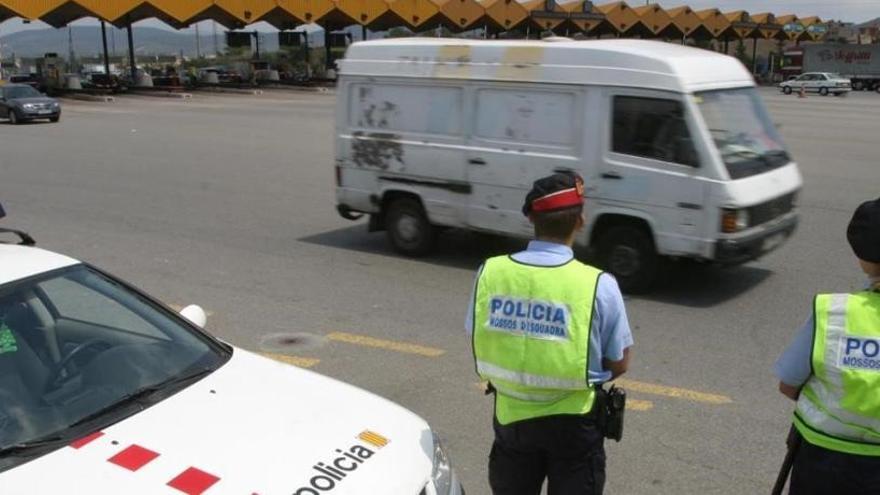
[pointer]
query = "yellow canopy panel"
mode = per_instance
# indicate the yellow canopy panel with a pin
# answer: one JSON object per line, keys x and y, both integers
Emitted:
{"x": 714, "y": 21}
{"x": 654, "y": 18}
{"x": 619, "y": 15}
{"x": 307, "y": 10}
{"x": 460, "y": 15}
{"x": 414, "y": 13}
{"x": 584, "y": 15}
{"x": 685, "y": 19}
{"x": 767, "y": 25}
{"x": 545, "y": 14}
{"x": 741, "y": 24}
{"x": 364, "y": 12}
{"x": 504, "y": 14}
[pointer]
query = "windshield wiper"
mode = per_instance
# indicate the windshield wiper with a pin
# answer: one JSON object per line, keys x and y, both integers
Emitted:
{"x": 60, "y": 439}
{"x": 38, "y": 445}
{"x": 777, "y": 155}
{"x": 140, "y": 394}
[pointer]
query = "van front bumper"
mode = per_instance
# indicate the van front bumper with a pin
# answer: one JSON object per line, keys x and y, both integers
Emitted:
{"x": 739, "y": 248}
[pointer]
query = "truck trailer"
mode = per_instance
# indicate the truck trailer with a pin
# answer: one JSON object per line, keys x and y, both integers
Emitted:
{"x": 858, "y": 63}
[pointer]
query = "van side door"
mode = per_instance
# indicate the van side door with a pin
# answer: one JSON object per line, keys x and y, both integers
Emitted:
{"x": 399, "y": 135}
{"x": 520, "y": 133}
{"x": 650, "y": 167}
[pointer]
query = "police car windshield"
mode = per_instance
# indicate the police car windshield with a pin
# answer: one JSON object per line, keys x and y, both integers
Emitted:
{"x": 742, "y": 131}
{"x": 75, "y": 343}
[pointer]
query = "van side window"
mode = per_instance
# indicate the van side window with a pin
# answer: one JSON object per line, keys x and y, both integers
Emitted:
{"x": 540, "y": 118}
{"x": 428, "y": 109}
{"x": 652, "y": 128}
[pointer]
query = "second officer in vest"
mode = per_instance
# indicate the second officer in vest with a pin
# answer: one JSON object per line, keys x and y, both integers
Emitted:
{"x": 832, "y": 370}
{"x": 546, "y": 331}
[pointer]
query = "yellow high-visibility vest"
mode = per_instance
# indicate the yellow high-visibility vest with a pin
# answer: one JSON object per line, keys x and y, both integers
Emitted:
{"x": 531, "y": 337}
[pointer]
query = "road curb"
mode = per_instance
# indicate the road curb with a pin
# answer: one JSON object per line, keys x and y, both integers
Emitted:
{"x": 92, "y": 98}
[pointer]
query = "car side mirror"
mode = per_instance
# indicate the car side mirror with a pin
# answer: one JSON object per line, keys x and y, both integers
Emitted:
{"x": 195, "y": 314}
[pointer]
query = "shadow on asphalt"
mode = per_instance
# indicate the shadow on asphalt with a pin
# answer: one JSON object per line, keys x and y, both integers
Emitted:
{"x": 455, "y": 248}
{"x": 683, "y": 283}
{"x": 698, "y": 285}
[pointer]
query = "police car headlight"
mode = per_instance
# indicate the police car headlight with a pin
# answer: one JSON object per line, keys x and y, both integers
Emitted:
{"x": 441, "y": 475}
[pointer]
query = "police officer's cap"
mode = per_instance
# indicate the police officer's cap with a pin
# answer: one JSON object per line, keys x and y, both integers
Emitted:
{"x": 559, "y": 191}
{"x": 863, "y": 232}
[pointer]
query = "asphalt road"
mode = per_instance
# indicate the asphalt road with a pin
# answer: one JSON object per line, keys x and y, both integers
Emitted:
{"x": 228, "y": 201}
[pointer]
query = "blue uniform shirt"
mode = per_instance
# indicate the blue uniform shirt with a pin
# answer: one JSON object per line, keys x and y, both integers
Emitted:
{"x": 794, "y": 367}
{"x": 610, "y": 333}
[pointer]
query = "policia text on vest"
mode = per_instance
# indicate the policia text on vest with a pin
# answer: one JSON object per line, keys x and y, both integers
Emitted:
{"x": 545, "y": 354}
{"x": 832, "y": 370}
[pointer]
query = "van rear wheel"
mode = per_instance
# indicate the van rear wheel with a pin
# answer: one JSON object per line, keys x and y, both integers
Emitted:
{"x": 408, "y": 228}
{"x": 628, "y": 253}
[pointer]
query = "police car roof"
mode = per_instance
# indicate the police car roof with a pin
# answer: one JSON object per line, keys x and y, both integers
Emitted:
{"x": 634, "y": 63}
{"x": 18, "y": 262}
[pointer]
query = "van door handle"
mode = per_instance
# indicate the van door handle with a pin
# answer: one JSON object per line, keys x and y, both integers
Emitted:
{"x": 611, "y": 175}
{"x": 690, "y": 206}
{"x": 477, "y": 161}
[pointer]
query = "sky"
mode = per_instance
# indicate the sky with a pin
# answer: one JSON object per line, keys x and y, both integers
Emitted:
{"x": 846, "y": 10}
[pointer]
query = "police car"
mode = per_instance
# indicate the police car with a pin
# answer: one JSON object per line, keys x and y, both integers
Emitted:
{"x": 104, "y": 390}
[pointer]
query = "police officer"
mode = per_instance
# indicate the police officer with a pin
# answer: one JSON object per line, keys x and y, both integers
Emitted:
{"x": 832, "y": 370}
{"x": 546, "y": 330}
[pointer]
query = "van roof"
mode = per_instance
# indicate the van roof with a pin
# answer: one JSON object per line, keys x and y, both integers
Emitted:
{"x": 634, "y": 63}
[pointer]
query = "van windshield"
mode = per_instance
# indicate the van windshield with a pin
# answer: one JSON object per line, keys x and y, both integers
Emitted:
{"x": 743, "y": 132}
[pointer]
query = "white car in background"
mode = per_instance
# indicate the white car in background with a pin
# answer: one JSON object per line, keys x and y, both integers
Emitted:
{"x": 104, "y": 390}
{"x": 824, "y": 83}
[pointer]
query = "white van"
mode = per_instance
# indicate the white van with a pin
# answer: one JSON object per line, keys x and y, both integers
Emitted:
{"x": 679, "y": 155}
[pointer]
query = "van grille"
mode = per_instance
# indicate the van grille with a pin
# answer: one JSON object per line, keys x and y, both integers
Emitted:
{"x": 771, "y": 210}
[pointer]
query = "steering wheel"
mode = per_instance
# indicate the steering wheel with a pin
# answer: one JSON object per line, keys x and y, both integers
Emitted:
{"x": 56, "y": 379}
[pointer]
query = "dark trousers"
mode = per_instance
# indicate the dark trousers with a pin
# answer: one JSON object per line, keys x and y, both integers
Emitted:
{"x": 819, "y": 471}
{"x": 568, "y": 451}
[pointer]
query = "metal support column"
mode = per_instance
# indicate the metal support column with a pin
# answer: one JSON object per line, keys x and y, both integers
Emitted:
{"x": 257, "y": 38}
{"x": 327, "y": 52}
{"x": 106, "y": 55}
{"x": 308, "y": 56}
{"x": 754, "y": 55}
{"x": 131, "y": 59}
{"x": 364, "y": 33}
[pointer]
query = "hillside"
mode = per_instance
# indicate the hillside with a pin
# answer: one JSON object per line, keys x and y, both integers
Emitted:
{"x": 87, "y": 42}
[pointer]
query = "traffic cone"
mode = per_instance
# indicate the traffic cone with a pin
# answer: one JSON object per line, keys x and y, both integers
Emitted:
{"x": 802, "y": 93}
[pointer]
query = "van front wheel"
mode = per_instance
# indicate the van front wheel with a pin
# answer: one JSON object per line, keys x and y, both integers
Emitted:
{"x": 408, "y": 228}
{"x": 628, "y": 253}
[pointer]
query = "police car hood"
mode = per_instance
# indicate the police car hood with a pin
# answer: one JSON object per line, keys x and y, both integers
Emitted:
{"x": 254, "y": 426}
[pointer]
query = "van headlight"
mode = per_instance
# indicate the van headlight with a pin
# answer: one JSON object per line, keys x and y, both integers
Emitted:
{"x": 734, "y": 220}
{"x": 441, "y": 475}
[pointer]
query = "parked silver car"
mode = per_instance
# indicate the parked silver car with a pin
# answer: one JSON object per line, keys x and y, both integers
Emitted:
{"x": 20, "y": 103}
{"x": 824, "y": 83}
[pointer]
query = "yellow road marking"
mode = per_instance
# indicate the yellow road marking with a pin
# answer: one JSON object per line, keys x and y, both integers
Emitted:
{"x": 297, "y": 361}
{"x": 639, "y": 405}
{"x": 390, "y": 345}
{"x": 674, "y": 392}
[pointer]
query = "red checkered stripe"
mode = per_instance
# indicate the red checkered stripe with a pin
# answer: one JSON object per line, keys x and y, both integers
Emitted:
{"x": 191, "y": 481}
